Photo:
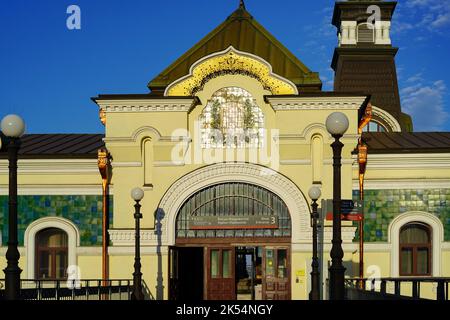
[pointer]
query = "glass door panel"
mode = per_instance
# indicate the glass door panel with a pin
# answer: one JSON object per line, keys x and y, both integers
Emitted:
{"x": 215, "y": 263}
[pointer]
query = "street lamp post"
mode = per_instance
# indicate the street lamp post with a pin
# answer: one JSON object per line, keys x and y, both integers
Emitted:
{"x": 314, "y": 194}
{"x": 137, "y": 194}
{"x": 13, "y": 128}
{"x": 337, "y": 125}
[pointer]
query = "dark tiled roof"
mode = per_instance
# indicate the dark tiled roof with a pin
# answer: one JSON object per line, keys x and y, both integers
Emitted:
{"x": 408, "y": 142}
{"x": 59, "y": 146}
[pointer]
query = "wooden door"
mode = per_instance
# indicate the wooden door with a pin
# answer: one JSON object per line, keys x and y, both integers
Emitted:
{"x": 220, "y": 284}
{"x": 276, "y": 274}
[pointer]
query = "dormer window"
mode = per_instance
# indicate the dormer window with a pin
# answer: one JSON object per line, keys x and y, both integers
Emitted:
{"x": 366, "y": 33}
{"x": 231, "y": 119}
{"x": 373, "y": 126}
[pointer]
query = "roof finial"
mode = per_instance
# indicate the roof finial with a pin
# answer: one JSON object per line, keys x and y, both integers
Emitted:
{"x": 241, "y": 4}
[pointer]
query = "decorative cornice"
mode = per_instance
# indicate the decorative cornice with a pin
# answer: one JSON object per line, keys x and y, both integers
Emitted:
{"x": 388, "y": 184}
{"x": 408, "y": 161}
{"x": 316, "y": 103}
{"x": 148, "y": 105}
{"x": 230, "y": 61}
{"x": 125, "y": 237}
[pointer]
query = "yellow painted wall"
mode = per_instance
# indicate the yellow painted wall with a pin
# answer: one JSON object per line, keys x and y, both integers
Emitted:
{"x": 299, "y": 271}
{"x": 91, "y": 266}
{"x": 295, "y": 145}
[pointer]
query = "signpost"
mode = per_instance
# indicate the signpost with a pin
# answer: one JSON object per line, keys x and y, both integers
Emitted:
{"x": 232, "y": 222}
{"x": 351, "y": 210}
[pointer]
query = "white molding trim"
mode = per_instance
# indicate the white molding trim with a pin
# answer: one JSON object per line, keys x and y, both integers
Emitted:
{"x": 437, "y": 238}
{"x": 316, "y": 103}
{"x": 403, "y": 184}
{"x": 57, "y": 190}
{"x": 288, "y": 162}
{"x": 53, "y": 166}
{"x": 445, "y": 246}
{"x": 130, "y": 250}
{"x": 50, "y": 222}
{"x": 147, "y": 105}
{"x": 125, "y": 237}
{"x": 237, "y": 52}
{"x": 387, "y": 118}
{"x": 123, "y": 164}
{"x": 369, "y": 247}
{"x": 305, "y": 137}
{"x": 408, "y": 161}
{"x": 307, "y": 247}
{"x": 121, "y": 250}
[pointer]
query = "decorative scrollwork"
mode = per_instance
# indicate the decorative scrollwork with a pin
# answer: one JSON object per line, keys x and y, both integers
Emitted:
{"x": 230, "y": 62}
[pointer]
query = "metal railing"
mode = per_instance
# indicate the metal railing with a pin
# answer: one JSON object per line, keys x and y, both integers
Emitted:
{"x": 398, "y": 288}
{"x": 63, "y": 289}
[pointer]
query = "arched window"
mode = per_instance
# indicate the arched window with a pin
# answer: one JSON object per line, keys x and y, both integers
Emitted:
{"x": 51, "y": 254}
{"x": 366, "y": 33}
{"x": 233, "y": 204}
{"x": 415, "y": 249}
{"x": 231, "y": 119}
{"x": 373, "y": 126}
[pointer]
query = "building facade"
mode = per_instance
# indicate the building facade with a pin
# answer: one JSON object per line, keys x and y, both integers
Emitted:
{"x": 225, "y": 146}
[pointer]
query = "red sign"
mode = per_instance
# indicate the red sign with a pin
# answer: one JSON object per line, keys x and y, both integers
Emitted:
{"x": 345, "y": 217}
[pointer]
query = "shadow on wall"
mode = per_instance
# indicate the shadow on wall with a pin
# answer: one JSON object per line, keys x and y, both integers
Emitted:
{"x": 159, "y": 215}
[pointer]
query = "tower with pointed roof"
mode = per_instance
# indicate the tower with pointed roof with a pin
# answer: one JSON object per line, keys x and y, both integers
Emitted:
{"x": 364, "y": 59}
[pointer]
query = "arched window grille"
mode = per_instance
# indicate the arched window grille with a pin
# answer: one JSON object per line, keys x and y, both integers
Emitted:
{"x": 415, "y": 249}
{"x": 233, "y": 199}
{"x": 366, "y": 33}
{"x": 231, "y": 119}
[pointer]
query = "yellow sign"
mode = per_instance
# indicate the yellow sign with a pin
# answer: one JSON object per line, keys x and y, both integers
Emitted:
{"x": 300, "y": 273}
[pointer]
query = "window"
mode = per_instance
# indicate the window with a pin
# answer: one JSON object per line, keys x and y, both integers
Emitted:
{"x": 238, "y": 200}
{"x": 366, "y": 33}
{"x": 373, "y": 126}
{"x": 415, "y": 250}
{"x": 51, "y": 254}
{"x": 231, "y": 119}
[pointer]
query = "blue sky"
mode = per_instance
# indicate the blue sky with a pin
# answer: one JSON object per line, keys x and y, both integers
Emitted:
{"x": 48, "y": 73}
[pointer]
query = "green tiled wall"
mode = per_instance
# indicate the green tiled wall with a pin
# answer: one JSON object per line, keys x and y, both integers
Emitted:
{"x": 381, "y": 206}
{"x": 85, "y": 211}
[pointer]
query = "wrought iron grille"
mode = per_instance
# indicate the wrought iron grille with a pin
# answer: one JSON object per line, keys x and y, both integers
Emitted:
{"x": 234, "y": 199}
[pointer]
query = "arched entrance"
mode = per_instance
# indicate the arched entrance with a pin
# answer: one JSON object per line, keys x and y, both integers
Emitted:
{"x": 208, "y": 250}
{"x": 232, "y": 242}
